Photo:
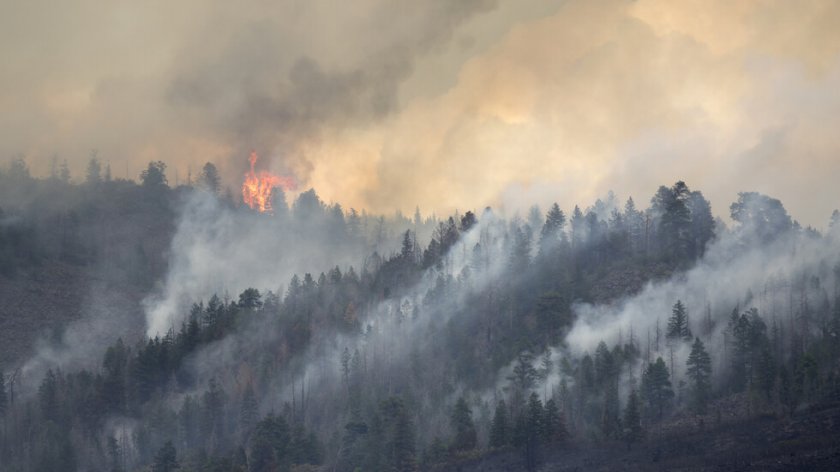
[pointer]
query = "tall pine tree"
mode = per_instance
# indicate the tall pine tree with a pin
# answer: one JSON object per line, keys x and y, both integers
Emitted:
{"x": 656, "y": 385}
{"x": 499, "y": 436}
{"x": 462, "y": 423}
{"x": 632, "y": 420}
{"x": 699, "y": 371}
{"x": 678, "y": 326}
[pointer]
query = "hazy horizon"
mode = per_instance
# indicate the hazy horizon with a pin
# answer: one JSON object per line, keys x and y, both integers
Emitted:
{"x": 390, "y": 105}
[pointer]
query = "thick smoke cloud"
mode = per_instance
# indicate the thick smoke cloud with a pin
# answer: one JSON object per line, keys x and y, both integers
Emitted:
{"x": 624, "y": 95}
{"x": 275, "y": 86}
{"x": 200, "y": 81}
{"x": 443, "y": 104}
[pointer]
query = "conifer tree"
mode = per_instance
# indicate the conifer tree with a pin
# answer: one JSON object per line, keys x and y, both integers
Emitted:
{"x": 699, "y": 371}
{"x": 546, "y": 369}
{"x": 552, "y": 233}
{"x": 3, "y": 398}
{"x": 553, "y": 425}
{"x": 678, "y": 327}
{"x": 189, "y": 422}
{"x": 210, "y": 179}
{"x": 462, "y": 423}
{"x": 212, "y": 415}
{"x": 94, "y": 170}
{"x": 269, "y": 445}
{"x": 533, "y": 429}
{"x": 404, "y": 459}
{"x": 435, "y": 453}
{"x": 656, "y": 385}
{"x": 248, "y": 410}
{"x": 166, "y": 460}
{"x": 674, "y": 219}
{"x": 345, "y": 366}
{"x": 48, "y": 397}
{"x": 524, "y": 373}
{"x": 632, "y": 420}
{"x": 399, "y": 437}
{"x": 499, "y": 426}
{"x": 611, "y": 416}
{"x": 789, "y": 393}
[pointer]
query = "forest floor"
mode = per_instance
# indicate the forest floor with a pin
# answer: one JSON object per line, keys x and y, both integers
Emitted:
{"x": 808, "y": 441}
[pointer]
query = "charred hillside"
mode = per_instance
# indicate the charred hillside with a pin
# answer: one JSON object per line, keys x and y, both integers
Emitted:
{"x": 68, "y": 250}
{"x": 218, "y": 336}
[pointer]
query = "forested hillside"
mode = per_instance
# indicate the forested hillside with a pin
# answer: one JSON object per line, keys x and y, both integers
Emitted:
{"x": 181, "y": 330}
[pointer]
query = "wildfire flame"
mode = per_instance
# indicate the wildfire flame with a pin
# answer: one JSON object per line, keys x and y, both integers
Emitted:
{"x": 257, "y": 187}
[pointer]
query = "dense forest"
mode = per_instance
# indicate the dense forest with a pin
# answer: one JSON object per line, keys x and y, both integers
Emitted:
{"x": 318, "y": 338}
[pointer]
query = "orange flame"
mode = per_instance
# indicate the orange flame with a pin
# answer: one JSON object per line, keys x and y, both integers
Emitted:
{"x": 257, "y": 187}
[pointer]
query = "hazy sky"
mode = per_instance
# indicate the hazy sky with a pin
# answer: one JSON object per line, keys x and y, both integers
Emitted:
{"x": 388, "y": 104}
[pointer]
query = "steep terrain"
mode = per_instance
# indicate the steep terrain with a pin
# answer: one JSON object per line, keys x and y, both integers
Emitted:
{"x": 806, "y": 441}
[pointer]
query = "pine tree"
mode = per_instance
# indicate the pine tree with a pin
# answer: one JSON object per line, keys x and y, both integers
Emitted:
{"x": 154, "y": 176}
{"x": 48, "y": 397}
{"x": 113, "y": 383}
{"x": 611, "y": 416}
{"x": 789, "y": 393}
{"x": 552, "y": 233}
{"x": 407, "y": 249}
{"x": 299, "y": 446}
{"x": 634, "y": 220}
{"x": 189, "y": 426}
{"x": 674, "y": 219}
{"x": 404, "y": 459}
{"x": 353, "y": 439}
{"x": 64, "y": 172}
{"x": 345, "y": 366}
{"x": 250, "y": 299}
{"x": 499, "y": 426}
{"x": 94, "y": 170}
{"x": 678, "y": 327}
{"x": 269, "y": 445}
{"x": 435, "y": 454}
{"x": 533, "y": 428}
{"x": 702, "y": 223}
{"x": 462, "y": 423}
{"x": 468, "y": 221}
{"x": 751, "y": 359}
{"x": 398, "y": 437}
{"x": 632, "y": 420}
{"x": 546, "y": 369}
{"x": 520, "y": 256}
{"x": 656, "y": 385}
{"x": 248, "y": 410}
{"x": 374, "y": 452}
{"x": 53, "y": 451}
{"x": 212, "y": 418}
{"x": 524, "y": 373}
{"x": 553, "y": 426}
{"x": 166, "y": 460}
{"x": 3, "y": 398}
{"x": 699, "y": 371}
{"x": 209, "y": 178}
{"x": 577, "y": 227}
{"x": 262, "y": 453}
